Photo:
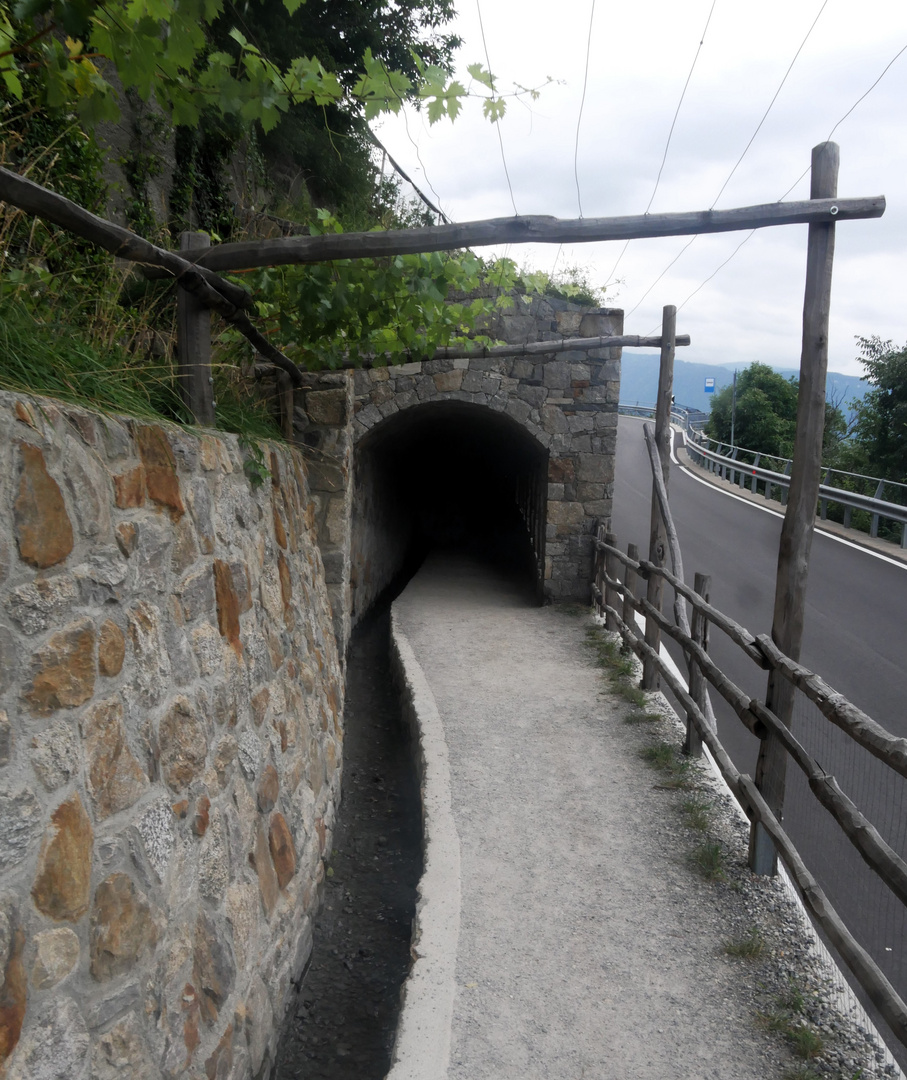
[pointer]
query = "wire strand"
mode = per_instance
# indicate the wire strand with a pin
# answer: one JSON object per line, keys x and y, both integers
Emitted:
{"x": 582, "y": 102}
{"x": 664, "y": 156}
{"x": 770, "y": 104}
{"x": 745, "y": 149}
{"x": 805, "y": 173}
{"x": 494, "y": 98}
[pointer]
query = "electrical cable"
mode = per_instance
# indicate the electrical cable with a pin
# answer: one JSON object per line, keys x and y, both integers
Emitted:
{"x": 664, "y": 157}
{"x": 745, "y": 149}
{"x": 802, "y": 175}
{"x": 494, "y": 99}
{"x": 579, "y": 118}
{"x": 770, "y": 104}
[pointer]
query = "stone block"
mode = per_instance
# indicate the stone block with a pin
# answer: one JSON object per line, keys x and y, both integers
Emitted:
{"x": 9, "y": 659}
{"x": 122, "y": 927}
{"x": 161, "y": 479}
{"x": 556, "y": 374}
{"x": 129, "y": 488}
{"x": 111, "y": 649}
{"x": 40, "y": 604}
{"x": 14, "y": 988}
{"x": 64, "y": 670}
{"x": 327, "y": 406}
{"x": 55, "y": 755}
{"x": 123, "y": 1052}
{"x": 57, "y": 955}
{"x": 115, "y": 778}
{"x": 55, "y": 1045}
{"x": 182, "y": 745}
{"x": 593, "y": 468}
{"x": 534, "y": 395}
{"x": 40, "y": 521}
{"x": 447, "y": 381}
{"x": 227, "y": 605}
{"x": 283, "y": 852}
{"x": 565, "y": 513}
{"x": 561, "y": 470}
{"x": 63, "y": 880}
{"x": 20, "y": 823}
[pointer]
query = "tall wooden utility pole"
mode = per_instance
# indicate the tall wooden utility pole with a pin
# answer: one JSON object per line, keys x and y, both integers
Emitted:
{"x": 797, "y": 530}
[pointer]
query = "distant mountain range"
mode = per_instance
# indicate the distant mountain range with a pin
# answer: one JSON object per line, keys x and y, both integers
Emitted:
{"x": 639, "y": 381}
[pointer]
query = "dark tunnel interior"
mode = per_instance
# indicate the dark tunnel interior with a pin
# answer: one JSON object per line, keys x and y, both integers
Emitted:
{"x": 447, "y": 477}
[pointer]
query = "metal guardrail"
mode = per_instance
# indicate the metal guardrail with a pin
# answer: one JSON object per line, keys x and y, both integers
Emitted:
{"x": 730, "y": 467}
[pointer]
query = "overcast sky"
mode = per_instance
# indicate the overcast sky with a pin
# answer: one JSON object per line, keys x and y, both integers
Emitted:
{"x": 641, "y": 54}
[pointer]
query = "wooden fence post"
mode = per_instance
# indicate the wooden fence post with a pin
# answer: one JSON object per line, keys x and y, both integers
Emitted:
{"x": 657, "y": 532}
{"x": 612, "y": 596}
{"x": 799, "y": 516}
{"x": 631, "y": 583}
{"x": 194, "y": 342}
{"x": 699, "y": 632}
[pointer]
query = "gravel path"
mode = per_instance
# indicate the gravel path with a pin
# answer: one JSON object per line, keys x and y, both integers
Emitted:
{"x": 588, "y": 946}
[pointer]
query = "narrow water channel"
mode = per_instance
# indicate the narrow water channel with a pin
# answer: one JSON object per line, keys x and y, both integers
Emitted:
{"x": 344, "y": 1019}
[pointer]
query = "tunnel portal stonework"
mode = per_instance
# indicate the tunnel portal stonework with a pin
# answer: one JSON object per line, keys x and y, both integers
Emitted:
{"x": 565, "y": 402}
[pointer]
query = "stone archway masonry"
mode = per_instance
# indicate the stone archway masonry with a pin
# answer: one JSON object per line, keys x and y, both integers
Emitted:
{"x": 566, "y": 401}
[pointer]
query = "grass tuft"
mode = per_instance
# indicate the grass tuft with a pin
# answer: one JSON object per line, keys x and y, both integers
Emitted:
{"x": 697, "y": 812}
{"x": 708, "y": 859}
{"x": 678, "y": 772}
{"x": 642, "y": 716}
{"x": 749, "y": 947}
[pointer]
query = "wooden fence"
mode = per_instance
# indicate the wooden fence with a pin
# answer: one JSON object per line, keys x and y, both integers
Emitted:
{"x": 615, "y": 588}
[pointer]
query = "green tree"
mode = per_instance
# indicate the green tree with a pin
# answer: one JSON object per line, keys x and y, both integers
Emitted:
{"x": 880, "y": 438}
{"x": 766, "y": 415}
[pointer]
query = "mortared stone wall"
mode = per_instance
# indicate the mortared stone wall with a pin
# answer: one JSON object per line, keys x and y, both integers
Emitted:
{"x": 170, "y": 743}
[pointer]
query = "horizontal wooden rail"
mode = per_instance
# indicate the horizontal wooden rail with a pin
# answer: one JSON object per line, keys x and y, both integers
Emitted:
{"x": 737, "y": 633}
{"x": 835, "y": 707}
{"x": 228, "y": 300}
{"x": 880, "y": 991}
{"x": 532, "y": 230}
{"x": 874, "y": 850}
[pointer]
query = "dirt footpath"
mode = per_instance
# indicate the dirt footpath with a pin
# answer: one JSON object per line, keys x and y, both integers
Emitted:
{"x": 585, "y": 944}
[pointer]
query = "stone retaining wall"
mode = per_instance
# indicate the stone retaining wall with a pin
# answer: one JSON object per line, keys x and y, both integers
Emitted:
{"x": 170, "y": 737}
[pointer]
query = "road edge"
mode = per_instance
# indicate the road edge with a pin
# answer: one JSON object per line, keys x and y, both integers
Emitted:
{"x": 422, "y": 1044}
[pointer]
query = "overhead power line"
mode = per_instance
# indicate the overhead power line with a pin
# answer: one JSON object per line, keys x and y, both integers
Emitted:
{"x": 664, "y": 156}
{"x": 802, "y": 175}
{"x": 579, "y": 118}
{"x": 745, "y": 149}
{"x": 497, "y": 123}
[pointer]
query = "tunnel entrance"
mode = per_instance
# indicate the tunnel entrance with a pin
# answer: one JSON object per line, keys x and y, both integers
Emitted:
{"x": 446, "y": 475}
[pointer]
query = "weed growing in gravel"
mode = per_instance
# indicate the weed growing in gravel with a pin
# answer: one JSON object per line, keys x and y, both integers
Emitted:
{"x": 787, "y": 1019}
{"x": 641, "y": 716}
{"x": 619, "y": 667}
{"x": 678, "y": 772}
{"x": 708, "y": 859}
{"x": 806, "y": 1041}
{"x": 749, "y": 947}
{"x": 697, "y": 812}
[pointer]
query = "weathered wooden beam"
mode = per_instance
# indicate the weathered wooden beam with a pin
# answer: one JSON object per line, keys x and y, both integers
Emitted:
{"x": 225, "y": 298}
{"x": 797, "y": 527}
{"x": 868, "y": 974}
{"x": 532, "y": 348}
{"x": 660, "y": 470}
{"x": 49, "y": 206}
{"x": 532, "y": 230}
{"x": 835, "y": 707}
{"x": 193, "y": 343}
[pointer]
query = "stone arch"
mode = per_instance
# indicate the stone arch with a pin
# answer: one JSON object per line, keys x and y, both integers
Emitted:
{"x": 446, "y": 472}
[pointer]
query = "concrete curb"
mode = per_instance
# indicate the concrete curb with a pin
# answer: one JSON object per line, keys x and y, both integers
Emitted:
{"x": 422, "y": 1045}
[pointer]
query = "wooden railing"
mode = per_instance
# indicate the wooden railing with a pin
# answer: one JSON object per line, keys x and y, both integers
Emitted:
{"x": 614, "y": 588}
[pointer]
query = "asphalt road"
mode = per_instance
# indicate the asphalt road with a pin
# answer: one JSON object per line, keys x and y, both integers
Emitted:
{"x": 855, "y": 637}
